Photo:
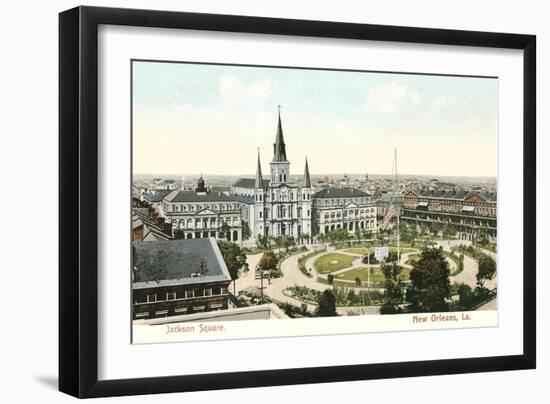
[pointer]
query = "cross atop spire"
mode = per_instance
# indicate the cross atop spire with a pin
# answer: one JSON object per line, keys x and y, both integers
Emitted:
{"x": 279, "y": 148}
{"x": 259, "y": 183}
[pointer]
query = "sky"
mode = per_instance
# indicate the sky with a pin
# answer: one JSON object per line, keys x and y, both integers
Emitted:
{"x": 212, "y": 119}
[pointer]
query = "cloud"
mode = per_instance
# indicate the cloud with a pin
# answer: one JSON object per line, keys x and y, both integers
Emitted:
{"x": 261, "y": 89}
{"x": 446, "y": 101}
{"x": 392, "y": 97}
{"x": 232, "y": 90}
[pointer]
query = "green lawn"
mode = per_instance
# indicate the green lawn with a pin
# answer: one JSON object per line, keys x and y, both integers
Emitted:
{"x": 333, "y": 262}
{"x": 368, "y": 250}
{"x": 413, "y": 258}
{"x": 376, "y": 275}
{"x": 359, "y": 250}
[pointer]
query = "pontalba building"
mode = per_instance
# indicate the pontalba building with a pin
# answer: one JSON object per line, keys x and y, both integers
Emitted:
{"x": 277, "y": 205}
{"x": 469, "y": 213}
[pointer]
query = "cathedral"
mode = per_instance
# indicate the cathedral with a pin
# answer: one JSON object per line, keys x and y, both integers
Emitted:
{"x": 278, "y": 205}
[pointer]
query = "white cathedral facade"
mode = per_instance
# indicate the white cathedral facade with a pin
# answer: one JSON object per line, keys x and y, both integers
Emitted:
{"x": 277, "y": 205}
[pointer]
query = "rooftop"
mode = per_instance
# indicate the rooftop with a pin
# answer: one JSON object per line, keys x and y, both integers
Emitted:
{"x": 456, "y": 195}
{"x": 248, "y": 183}
{"x": 155, "y": 195}
{"x": 179, "y": 195}
{"x": 178, "y": 262}
{"x": 340, "y": 193}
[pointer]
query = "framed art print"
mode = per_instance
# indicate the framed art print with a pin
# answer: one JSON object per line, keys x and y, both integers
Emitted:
{"x": 240, "y": 196}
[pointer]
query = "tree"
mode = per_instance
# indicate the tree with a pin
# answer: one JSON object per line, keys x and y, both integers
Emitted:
{"x": 460, "y": 263}
{"x": 465, "y": 295}
{"x": 234, "y": 258}
{"x": 225, "y": 231}
{"x": 246, "y": 230}
{"x": 367, "y": 234}
{"x": 352, "y": 297}
{"x": 358, "y": 233}
{"x": 449, "y": 230}
{"x": 405, "y": 232}
{"x": 358, "y": 281}
{"x": 482, "y": 239}
{"x": 338, "y": 235}
{"x": 430, "y": 285}
{"x": 486, "y": 270}
{"x": 330, "y": 278}
{"x": 268, "y": 261}
{"x": 393, "y": 295}
{"x": 423, "y": 229}
{"x": 287, "y": 241}
{"x": 327, "y": 304}
{"x": 278, "y": 243}
{"x": 262, "y": 242}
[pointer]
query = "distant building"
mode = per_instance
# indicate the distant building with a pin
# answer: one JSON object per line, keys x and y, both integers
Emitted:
{"x": 154, "y": 196}
{"x": 203, "y": 213}
{"x": 178, "y": 277}
{"x": 469, "y": 212}
{"x": 148, "y": 226}
{"x": 137, "y": 228}
{"x": 343, "y": 208}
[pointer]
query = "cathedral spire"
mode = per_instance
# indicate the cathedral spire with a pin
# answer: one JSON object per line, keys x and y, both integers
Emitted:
{"x": 306, "y": 182}
{"x": 279, "y": 148}
{"x": 259, "y": 180}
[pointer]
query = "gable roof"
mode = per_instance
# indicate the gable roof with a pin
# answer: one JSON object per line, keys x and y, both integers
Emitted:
{"x": 155, "y": 195}
{"x": 179, "y": 195}
{"x": 249, "y": 183}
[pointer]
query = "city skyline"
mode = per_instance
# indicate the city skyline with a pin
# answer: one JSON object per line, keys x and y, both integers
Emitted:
{"x": 187, "y": 118}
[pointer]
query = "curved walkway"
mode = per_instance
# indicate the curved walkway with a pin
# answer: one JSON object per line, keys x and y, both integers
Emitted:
{"x": 293, "y": 276}
{"x": 468, "y": 274}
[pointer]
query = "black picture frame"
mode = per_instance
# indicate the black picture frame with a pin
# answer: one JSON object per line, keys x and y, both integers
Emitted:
{"x": 78, "y": 196}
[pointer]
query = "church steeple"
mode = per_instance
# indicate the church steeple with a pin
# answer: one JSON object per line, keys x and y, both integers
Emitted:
{"x": 279, "y": 148}
{"x": 306, "y": 182}
{"x": 259, "y": 183}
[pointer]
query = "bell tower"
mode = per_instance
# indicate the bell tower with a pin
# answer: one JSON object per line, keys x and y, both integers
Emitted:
{"x": 280, "y": 166}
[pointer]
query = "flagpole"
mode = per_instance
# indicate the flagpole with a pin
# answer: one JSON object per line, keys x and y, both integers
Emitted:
{"x": 397, "y": 211}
